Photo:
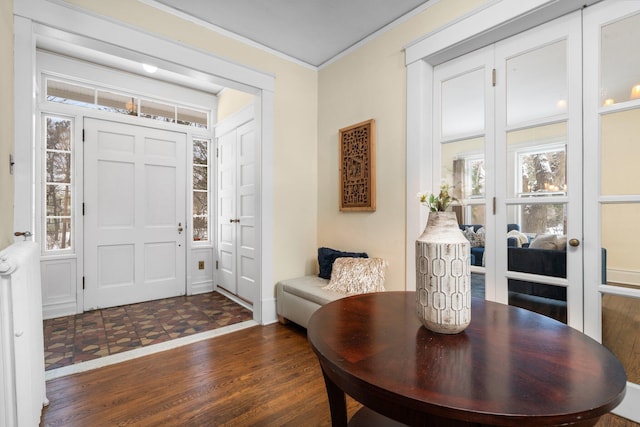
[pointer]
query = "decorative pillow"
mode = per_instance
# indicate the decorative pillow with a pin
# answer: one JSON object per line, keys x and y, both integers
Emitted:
{"x": 545, "y": 241}
{"x": 561, "y": 244}
{"x": 357, "y": 275}
{"x": 475, "y": 238}
{"x": 521, "y": 238}
{"x": 326, "y": 257}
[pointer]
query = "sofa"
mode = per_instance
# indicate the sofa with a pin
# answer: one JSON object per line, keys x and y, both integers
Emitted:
{"x": 477, "y": 251}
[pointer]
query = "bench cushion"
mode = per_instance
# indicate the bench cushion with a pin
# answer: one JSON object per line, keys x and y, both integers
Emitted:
{"x": 310, "y": 288}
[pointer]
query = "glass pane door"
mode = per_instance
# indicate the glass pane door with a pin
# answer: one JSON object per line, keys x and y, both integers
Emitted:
{"x": 612, "y": 187}
{"x": 538, "y": 171}
{"x": 462, "y": 96}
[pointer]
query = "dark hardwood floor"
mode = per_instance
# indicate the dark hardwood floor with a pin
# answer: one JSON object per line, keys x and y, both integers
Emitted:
{"x": 260, "y": 376}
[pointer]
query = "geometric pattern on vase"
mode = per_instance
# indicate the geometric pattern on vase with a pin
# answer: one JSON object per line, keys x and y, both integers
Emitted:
{"x": 443, "y": 275}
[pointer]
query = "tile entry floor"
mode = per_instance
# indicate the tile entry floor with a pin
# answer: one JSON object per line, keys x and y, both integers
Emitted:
{"x": 94, "y": 334}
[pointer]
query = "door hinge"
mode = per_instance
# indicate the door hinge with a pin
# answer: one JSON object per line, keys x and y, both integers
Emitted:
{"x": 82, "y": 208}
{"x": 493, "y": 77}
{"x": 217, "y": 265}
{"x": 82, "y": 135}
{"x": 83, "y": 283}
{"x": 217, "y": 152}
{"x": 494, "y": 205}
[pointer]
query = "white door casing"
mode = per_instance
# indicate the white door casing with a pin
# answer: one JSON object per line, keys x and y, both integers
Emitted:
{"x": 238, "y": 269}
{"x": 134, "y": 200}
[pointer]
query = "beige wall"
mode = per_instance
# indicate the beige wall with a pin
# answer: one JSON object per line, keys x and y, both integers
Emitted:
{"x": 370, "y": 83}
{"x": 6, "y": 120}
{"x": 231, "y": 101}
{"x": 295, "y": 146}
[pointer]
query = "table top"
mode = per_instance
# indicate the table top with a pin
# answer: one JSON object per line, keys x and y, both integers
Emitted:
{"x": 509, "y": 367}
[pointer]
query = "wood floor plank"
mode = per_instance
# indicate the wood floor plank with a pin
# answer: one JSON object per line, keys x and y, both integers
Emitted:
{"x": 260, "y": 376}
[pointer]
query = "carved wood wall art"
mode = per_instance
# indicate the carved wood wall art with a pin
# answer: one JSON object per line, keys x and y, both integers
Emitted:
{"x": 358, "y": 167}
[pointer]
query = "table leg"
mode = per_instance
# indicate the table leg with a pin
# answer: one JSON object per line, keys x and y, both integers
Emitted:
{"x": 337, "y": 402}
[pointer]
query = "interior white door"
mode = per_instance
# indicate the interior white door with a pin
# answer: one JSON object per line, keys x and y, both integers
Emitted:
{"x": 134, "y": 203}
{"x": 246, "y": 209}
{"x": 237, "y": 212}
{"x": 227, "y": 211}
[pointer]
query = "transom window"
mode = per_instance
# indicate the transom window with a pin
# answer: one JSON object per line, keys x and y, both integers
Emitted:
{"x": 120, "y": 103}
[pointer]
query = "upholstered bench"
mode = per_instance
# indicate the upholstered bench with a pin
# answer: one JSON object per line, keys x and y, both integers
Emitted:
{"x": 297, "y": 299}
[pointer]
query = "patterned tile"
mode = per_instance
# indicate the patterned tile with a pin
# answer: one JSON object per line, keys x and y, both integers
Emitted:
{"x": 99, "y": 333}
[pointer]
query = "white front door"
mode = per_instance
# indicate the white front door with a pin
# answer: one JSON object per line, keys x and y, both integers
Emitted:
{"x": 134, "y": 222}
{"x": 237, "y": 243}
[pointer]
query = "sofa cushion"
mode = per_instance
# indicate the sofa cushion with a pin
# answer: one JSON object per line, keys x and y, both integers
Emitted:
{"x": 310, "y": 288}
{"x": 326, "y": 257}
{"x": 545, "y": 241}
{"x": 357, "y": 275}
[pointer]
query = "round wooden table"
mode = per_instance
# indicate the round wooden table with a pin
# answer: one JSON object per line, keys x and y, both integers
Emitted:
{"x": 510, "y": 367}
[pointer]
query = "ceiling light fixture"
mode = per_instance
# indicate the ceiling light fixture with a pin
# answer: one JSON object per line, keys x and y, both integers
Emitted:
{"x": 150, "y": 68}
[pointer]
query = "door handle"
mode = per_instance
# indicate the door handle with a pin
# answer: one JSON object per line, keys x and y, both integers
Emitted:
{"x": 574, "y": 242}
{"x": 234, "y": 220}
{"x": 180, "y": 228}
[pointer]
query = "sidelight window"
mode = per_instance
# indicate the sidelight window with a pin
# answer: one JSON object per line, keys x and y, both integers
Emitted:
{"x": 200, "y": 190}
{"x": 58, "y": 187}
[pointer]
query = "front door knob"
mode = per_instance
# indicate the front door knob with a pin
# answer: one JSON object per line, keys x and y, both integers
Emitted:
{"x": 574, "y": 242}
{"x": 180, "y": 227}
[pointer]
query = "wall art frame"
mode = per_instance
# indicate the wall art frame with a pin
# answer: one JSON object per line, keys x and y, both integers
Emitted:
{"x": 358, "y": 167}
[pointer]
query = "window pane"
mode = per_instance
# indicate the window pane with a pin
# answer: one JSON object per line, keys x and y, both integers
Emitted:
{"x": 189, "y": 117}
{"x": 537, "y": 161}
{"x": 58, "y": 200}
{"x": 68, "y": 93}
{"x": 463, "y": 104}
{"x": 620, "y": 326}
{"x": 200, "y": 228}
{"x": 157, "y": 111}
{"x": 200, "y": 177}
{"x": 117, "y": 103}
{"x": 58, "y": 233}
{"x": 200, "y": 203}
{"x": 200, "y": 152}
{"x": 58, "y": 134}
{"x": 537, "y": 84}
{"x": 463, "y": 168}
{"x": 536, "y": 220}
{"x": 58, "y": 167}
{"x": 620, "y": 73}
{"x": 620, "y": 151}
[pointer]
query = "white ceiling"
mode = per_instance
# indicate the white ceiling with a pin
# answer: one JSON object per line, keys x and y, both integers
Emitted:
{"x": 311, "y": 31}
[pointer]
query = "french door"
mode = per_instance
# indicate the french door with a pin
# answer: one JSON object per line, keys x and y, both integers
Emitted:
{"x": 134, "y": 205}
{"x": 547, "y": 151}
{"x": 612, "y": 189}
{"x": 507, "y": 132}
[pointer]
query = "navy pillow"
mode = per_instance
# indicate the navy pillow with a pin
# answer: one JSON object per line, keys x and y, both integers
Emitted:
{"x": 326, "y": 257}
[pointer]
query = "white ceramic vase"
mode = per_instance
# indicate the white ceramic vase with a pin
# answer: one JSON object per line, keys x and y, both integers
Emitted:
{"x": 443, "y": 275}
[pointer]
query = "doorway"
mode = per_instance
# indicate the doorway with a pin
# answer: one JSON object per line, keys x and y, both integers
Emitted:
{"x": 134, "y": 214}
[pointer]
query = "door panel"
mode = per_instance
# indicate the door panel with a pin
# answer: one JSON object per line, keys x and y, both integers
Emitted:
{"x": 247, "y": 266}
{"x": 134, "y": 207}
{"x": 612, "y": 193}
{"x": 227, "y": 211}
{"x": 539, "y": 170}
